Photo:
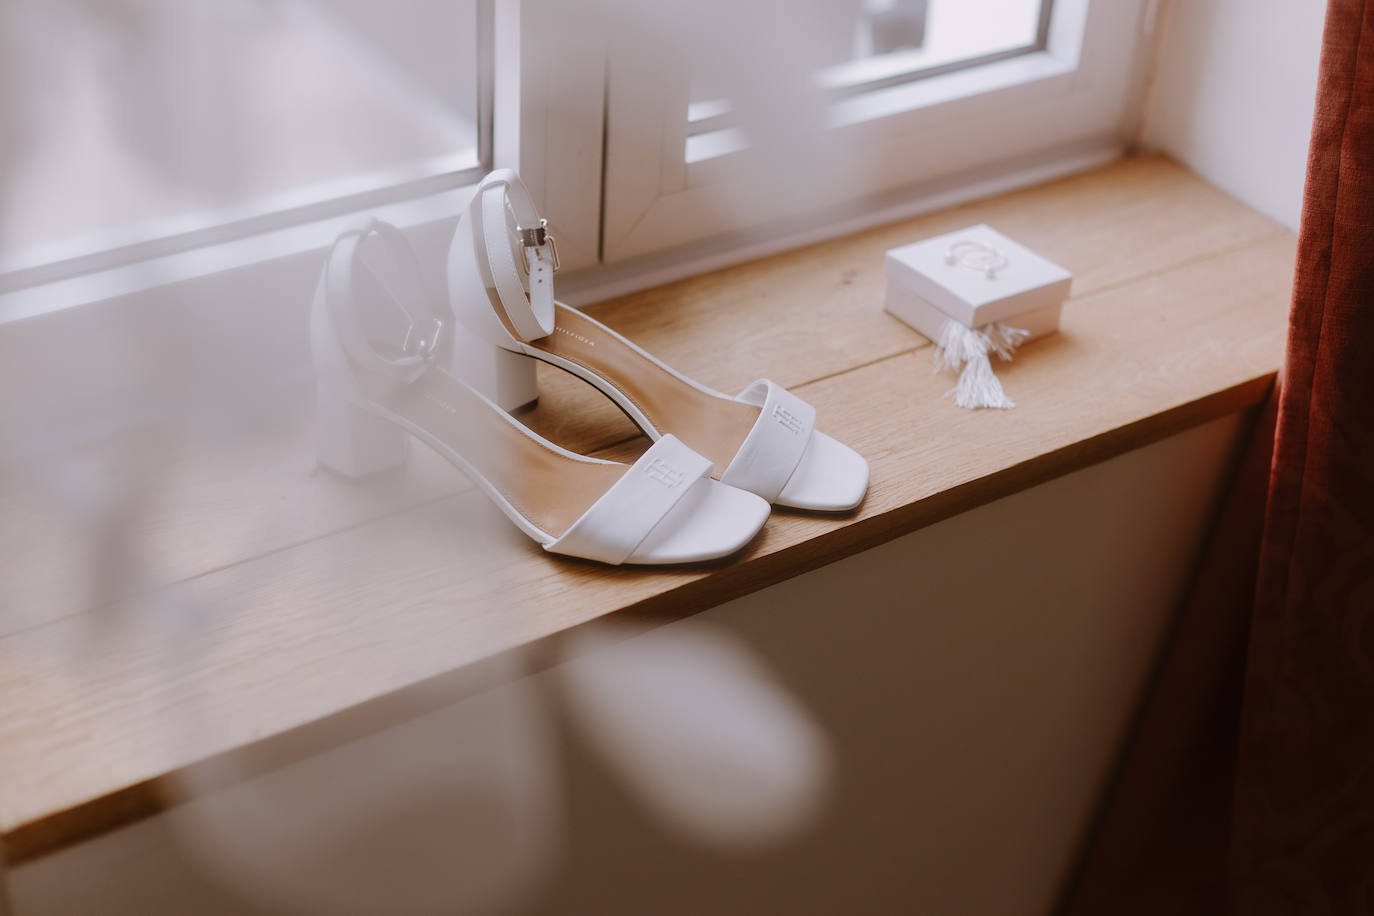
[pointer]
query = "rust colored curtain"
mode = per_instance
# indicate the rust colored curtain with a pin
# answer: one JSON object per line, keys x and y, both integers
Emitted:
{"x": 1248, "y": 788}
{"x": 1302, "y": 838}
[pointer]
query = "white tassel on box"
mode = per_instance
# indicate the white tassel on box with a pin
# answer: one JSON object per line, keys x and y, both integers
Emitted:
{"x": 960, "y": 345}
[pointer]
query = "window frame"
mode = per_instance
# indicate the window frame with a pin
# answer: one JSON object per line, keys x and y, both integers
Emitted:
{"x": 119, "y": 246}
{"x": 543, "y": 115}
{"x": 1079, "y": 89}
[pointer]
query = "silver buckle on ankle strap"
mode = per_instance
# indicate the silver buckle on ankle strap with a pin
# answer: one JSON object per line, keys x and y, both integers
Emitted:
{"x": 537, "y": 237}
{"x": 423, "y": 346}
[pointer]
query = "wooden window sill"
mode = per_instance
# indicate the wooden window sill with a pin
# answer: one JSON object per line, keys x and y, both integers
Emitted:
{"x": 304, "y": 609}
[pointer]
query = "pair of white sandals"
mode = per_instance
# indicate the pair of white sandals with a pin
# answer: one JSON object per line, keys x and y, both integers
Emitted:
{"x": 392, "y": 361}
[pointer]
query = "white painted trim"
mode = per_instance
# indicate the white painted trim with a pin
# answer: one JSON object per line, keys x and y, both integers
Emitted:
{"x": 208, "y": 261}
{"x": 948, "y": 89}
{"x": 156, "y": 239}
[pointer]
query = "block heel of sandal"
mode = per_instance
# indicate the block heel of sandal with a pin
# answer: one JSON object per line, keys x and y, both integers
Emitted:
{"x": 355, "y": 442}
{"x": 389, "y": 368}
{"x": 505, "y": 378}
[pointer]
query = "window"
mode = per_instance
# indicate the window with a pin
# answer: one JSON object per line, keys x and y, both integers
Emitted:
{"x": 785, "y": 114}
{"x": 880, "y": 43}
{"x": 649, "y": 130}
{"x": 147, "y": 127}
{"x": 899, "y": 40}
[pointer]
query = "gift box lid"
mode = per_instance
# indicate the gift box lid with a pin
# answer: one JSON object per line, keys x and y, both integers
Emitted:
{"x": 977, "y": 275}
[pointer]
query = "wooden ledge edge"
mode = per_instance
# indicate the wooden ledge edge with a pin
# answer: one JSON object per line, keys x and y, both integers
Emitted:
{"x": 123, "y": 807}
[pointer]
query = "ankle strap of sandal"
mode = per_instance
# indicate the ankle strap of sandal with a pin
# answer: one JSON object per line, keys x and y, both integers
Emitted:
{"x": 411, "y": 320}
{"x": 521, "y": 291}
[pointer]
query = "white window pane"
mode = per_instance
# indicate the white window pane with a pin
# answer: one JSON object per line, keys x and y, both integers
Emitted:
{"x": 854, "y": 44}
{"x": 895, "y": 36}
{"x": 126, "y": 119}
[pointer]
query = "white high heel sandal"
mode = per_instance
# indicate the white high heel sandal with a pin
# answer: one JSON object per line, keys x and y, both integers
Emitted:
{"x": 384, "y": 362}
{"x": 764, "y": 438}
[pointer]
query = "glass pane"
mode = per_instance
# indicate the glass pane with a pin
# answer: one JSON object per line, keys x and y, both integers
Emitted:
{"x": 855, "y": 43}
{"x": 127, "y": 119}
{"x": 942, "y": 31}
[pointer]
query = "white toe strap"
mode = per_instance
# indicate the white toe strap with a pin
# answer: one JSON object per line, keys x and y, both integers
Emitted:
{"x": 616, "y": 523}
{"x": 774, "y": 447}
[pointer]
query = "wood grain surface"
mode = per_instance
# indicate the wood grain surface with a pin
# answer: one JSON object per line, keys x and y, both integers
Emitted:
{"x": 274, "y": 602}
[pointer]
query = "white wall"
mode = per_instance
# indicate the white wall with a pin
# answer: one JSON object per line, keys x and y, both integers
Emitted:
{"x": 1232, "y": 96}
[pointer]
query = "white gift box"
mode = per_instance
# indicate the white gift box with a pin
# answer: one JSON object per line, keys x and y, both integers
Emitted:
{"x": 948, "y": 277}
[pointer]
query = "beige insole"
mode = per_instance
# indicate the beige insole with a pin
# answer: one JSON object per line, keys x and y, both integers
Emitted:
{"x": 549, "y": 489}
{"x": 712, "y": 427}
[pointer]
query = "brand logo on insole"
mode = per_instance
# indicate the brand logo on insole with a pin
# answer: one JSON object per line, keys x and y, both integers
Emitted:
{"x": 661, "y": 472}
{"x": 787, "y": 419}
{"x": 577, "y": 337}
